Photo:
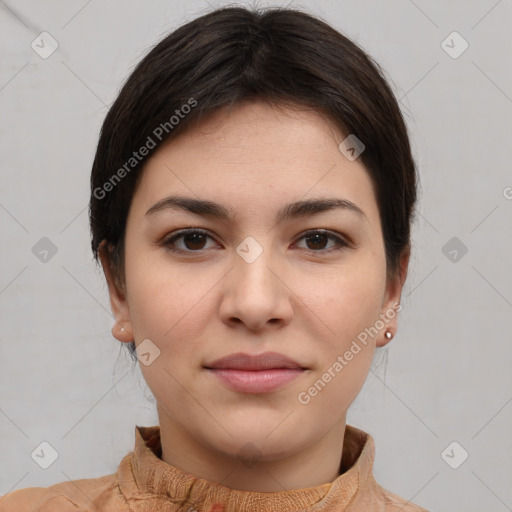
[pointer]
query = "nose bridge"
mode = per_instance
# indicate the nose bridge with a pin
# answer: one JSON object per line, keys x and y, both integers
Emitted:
{"x": 253, "y": 293}
{"x": 252, "y": 266}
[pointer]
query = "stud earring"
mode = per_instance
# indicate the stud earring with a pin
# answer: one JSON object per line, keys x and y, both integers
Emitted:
{"x": 388, "y": 335}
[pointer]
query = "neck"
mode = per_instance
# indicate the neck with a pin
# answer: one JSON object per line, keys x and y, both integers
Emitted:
{"x": 249, "y": 469}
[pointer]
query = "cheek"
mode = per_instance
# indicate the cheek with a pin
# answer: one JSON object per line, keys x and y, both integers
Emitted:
{"x": 347, "y": 306}
{"x": 167, "y": 303}
{"x": 348, "y": 299}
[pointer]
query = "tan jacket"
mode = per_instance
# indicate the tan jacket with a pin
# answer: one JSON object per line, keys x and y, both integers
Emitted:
{"x": 145, "y": 483}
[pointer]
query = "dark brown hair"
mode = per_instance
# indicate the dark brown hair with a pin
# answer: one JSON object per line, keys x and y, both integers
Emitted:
{"x": 281, "y": 56}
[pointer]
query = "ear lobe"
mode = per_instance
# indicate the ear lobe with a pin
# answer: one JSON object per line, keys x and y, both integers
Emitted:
{"x": 385, "y": 336}
{"x": 123, "y": 334}
{"x": 122, "y": 329}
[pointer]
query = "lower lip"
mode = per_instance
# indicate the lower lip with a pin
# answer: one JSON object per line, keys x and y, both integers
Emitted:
{"x": 256, "y": 381}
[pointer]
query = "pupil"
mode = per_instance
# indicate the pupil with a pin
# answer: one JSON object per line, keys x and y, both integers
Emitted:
{"x": 316, "y": 237}
{"x": 196, "y": 239}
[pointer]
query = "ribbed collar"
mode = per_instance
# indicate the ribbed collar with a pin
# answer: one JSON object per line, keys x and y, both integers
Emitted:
{"x": 145, "y": 474}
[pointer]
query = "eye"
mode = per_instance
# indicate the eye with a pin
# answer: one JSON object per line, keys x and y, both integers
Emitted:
{"x": 193, "y": 240}
{"x": 318, "y": 238}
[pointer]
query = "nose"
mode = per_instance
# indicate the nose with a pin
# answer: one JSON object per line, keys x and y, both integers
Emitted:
{"x": 256, "y": 294}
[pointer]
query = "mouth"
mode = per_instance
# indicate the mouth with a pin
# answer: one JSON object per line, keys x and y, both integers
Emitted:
{"x": 265, "y": 361}
{"x": 261, "y": 373}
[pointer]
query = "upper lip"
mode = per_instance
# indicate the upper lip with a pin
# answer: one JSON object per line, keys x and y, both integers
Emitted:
{"x": 265, "y": 361}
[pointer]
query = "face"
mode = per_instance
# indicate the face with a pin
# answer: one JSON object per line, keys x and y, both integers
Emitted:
{"x": 307, "y": 285}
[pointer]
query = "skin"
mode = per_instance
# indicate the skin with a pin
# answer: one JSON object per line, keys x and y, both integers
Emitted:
{"x": 297, "y": 298}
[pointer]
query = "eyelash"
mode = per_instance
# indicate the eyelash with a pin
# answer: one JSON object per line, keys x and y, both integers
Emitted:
{"x": 340, "y": 243}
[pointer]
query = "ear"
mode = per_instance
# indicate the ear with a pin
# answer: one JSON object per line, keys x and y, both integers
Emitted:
{"x": 391, "y": 303}
{"x": 122, "y": 329}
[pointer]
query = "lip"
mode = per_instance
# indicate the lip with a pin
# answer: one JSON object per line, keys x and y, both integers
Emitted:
{"x": 260, "y": 373}
{"x": 265, "y": 361}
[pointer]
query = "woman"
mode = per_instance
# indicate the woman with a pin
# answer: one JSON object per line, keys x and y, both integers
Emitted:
{"x": 251, "y": 202}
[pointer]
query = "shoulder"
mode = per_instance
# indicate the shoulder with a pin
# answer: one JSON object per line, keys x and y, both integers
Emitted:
{"x": 394, "y": 503}
{"x": 71, "y": 496}
{"x": 32, "y": 499}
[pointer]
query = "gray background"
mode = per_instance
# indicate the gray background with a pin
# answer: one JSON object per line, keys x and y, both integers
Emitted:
{"x": 445, "y": 377}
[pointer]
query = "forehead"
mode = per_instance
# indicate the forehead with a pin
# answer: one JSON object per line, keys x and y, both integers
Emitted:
{"x": 256, "y": 157}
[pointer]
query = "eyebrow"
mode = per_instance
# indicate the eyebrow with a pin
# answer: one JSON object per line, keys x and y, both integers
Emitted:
{"x": 293, "y": 210}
